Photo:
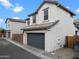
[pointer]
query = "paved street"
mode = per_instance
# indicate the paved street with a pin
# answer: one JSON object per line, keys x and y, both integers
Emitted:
{"x": 10, "y": 51}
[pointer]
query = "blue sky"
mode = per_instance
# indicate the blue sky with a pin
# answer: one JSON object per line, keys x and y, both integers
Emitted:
{"x": 21, "y": 8}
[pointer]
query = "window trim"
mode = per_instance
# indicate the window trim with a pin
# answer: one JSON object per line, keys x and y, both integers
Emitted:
{"x": 28, "y": 22}
{"x": 8, "y": 25}
{"x": 34, "y": 19}
{"x": 46, "y": 14}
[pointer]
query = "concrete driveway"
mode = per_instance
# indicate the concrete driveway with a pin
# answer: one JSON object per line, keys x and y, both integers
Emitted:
{"x": 10, "y": 51}
{"x": 66, "y": 53}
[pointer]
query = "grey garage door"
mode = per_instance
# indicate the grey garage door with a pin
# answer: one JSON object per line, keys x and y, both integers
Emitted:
{"x": 36, "y": 40}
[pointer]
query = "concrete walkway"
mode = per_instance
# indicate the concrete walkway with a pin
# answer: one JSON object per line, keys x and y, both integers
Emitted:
{"x": 65, "y": 53}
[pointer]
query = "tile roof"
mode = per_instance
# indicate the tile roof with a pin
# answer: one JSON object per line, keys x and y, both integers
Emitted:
{"x": 8, "y": 30}
{"x": 40, "y": 26}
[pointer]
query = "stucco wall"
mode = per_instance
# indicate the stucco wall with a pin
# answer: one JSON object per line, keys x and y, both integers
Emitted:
{"x": 8, "y": 25}
{"x": 40, "y": 15}
{"x": 16, "y": 27}
{"x": 53, "y": 12}
{"x": 25, "y": 38}
{"x": 55, "y": 37}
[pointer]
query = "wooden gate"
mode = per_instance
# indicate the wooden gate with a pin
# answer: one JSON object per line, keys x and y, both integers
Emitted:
{"x": 69, "y": 41}
{"x": 2, "y": 34}
{"x": 18, "y": 38}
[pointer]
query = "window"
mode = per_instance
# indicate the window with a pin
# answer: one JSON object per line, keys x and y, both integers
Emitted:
{"x": 34, "y": 19}
{"x": 28, "y": 22}
{"x": 46, "y": 14}
{"x": 8, "y": 25}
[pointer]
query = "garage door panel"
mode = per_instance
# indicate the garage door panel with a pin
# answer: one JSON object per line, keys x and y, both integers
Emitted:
{"x": 36, "y": 40}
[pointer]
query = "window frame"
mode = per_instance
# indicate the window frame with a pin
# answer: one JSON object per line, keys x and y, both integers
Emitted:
{"x": 34, "y": 18}
{"x": 8, "y": 25}
{"x": 46, "y": 14}
{"x": 28, "y": 22}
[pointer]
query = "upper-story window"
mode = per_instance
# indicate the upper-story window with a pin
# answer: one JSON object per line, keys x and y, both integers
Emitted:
{"x": 8, "y": 25}
{"x": 34, "y": 19}
{"x": 46, "y": 14}
{"x": 28, "y": 22}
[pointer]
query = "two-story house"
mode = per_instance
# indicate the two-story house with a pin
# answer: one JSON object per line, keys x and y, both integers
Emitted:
{"x": 14, "y": 31}
{"x": 48, "y": 26}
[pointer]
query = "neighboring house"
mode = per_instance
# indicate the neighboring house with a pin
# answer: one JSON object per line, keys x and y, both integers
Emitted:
{"x": 48, "y": 26}
{"x": 76, "y": 23}
{"x": 14, "y": 28}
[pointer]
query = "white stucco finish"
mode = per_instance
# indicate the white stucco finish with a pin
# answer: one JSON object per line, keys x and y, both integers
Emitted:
{"x": 25, "y": 38}
{"x": 55, "y": 37}
{"x": 16, "y": 27}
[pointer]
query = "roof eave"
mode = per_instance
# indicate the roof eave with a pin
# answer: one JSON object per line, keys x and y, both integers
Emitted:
{"x": 32, "y": 14}
{"x": 13, "y": 20}
{"x": 61, "y": 6}
{"x": 7, "y": 20}
{"x": 41, "y": 27}
{"x": 27, "y": 19}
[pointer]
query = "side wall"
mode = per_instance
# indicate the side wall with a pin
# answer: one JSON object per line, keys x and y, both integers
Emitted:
{"x": 55, "y": 37}
{"x": 40, "y": 15}
{"x": 16, "y": 27}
